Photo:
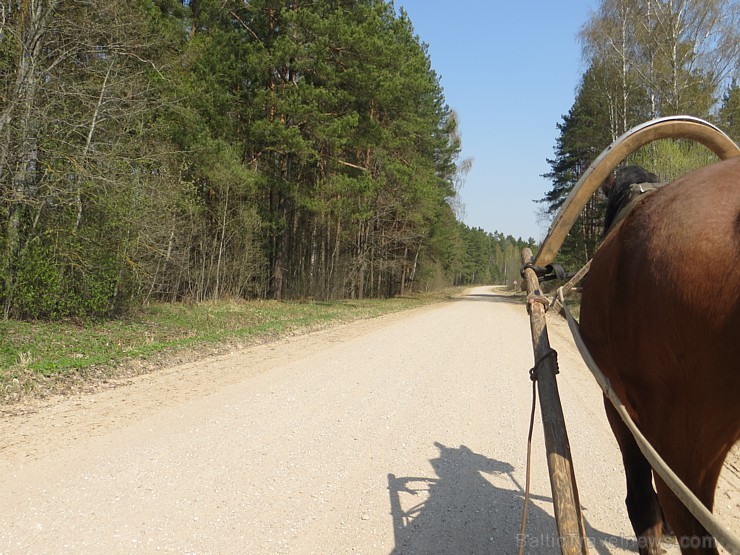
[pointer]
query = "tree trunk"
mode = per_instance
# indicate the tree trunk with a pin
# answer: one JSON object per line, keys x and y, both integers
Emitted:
{"x": 19, "y": 150}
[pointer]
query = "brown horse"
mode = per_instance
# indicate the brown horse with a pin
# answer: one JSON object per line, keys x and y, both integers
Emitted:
{"x": 661, "y": 316}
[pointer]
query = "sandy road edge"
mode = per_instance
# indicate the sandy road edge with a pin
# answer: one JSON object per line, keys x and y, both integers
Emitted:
{"x": 36, "y": 427}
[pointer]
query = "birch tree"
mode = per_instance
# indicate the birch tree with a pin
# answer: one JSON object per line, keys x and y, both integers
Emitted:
{"x": 679, "y": 54}
{"x": 78, "y": 78}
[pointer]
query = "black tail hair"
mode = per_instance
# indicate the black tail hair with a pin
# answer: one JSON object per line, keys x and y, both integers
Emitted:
{"x": 617, "y": 189}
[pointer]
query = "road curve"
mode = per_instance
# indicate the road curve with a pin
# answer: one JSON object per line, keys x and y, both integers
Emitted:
{"x": 402, "y": 434}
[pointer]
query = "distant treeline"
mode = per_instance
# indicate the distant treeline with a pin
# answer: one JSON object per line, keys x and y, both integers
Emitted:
{"x": 489, "y": 258}
{"x": 191, "y": 150}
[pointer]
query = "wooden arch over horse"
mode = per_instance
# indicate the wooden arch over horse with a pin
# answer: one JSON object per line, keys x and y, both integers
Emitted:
{"x": 672, "y": 127}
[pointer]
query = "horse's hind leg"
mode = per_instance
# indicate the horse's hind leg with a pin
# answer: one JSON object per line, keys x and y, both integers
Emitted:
{"x": 643, "y": 507}
{"x": 691, "y": 535}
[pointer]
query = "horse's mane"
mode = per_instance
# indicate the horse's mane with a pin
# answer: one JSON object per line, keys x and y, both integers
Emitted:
{"x": 618, "y": 190}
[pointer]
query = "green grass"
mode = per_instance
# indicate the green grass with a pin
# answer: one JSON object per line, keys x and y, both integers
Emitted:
{"x": 43, "y": 353}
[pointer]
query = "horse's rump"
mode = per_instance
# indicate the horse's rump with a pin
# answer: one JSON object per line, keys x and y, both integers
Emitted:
{"x": 661, "y": 316}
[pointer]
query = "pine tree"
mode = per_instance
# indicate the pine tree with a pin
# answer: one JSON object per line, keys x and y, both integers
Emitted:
{"x": 729, "y": 113}
{"x": 584, "y": 133}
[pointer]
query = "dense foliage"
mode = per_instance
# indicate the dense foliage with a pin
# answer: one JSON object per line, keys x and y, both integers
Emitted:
{"x": 201, "y": 149}
{"x": 645, "y": 59}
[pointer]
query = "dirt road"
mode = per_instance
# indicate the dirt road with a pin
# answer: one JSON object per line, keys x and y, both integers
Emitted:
{"x": 402, "y": 434}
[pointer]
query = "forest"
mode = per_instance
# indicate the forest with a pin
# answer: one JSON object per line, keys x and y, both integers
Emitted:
{"x": 645, "y": 59}
{"x": 193, "y": 150}
{"x": 173, "y": 150}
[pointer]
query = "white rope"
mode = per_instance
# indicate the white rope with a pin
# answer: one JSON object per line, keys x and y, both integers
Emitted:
{"x": 710, "y": 522}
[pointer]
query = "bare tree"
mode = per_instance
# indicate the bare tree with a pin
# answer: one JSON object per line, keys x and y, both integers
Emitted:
{"x": 679, "y": 53}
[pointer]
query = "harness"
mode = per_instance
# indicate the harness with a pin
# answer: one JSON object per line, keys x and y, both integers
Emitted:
{"x": 634, "y": 194}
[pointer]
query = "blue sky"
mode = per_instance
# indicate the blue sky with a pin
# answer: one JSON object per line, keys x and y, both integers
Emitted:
{"x": 510, "y": 70}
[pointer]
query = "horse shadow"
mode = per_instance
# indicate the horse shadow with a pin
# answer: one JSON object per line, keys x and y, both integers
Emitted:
{"x": 462, "y": 511}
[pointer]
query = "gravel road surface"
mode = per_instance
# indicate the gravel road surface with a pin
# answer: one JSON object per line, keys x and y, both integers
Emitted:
{"x": 399, "y": 435}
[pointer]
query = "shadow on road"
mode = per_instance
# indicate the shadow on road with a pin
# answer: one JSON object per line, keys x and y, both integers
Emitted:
{"x": 461, "y": 511}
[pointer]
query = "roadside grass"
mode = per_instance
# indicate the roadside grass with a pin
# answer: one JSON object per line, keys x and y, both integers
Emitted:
{"x": 41, "y": 358}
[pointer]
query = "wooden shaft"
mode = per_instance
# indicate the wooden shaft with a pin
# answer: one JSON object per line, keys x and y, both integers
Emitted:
{"x": 559, "y": 462}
